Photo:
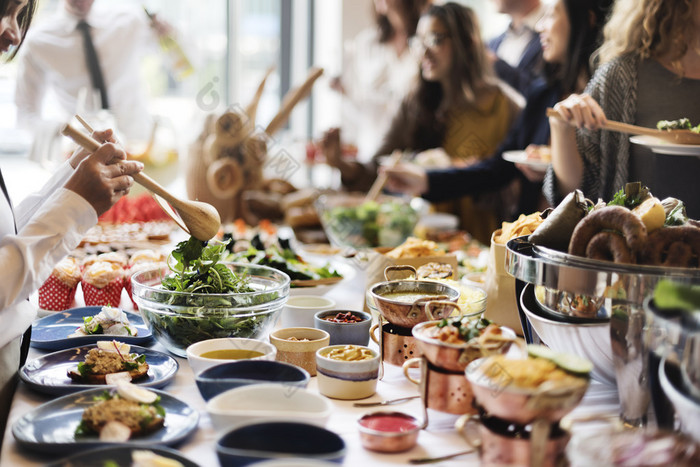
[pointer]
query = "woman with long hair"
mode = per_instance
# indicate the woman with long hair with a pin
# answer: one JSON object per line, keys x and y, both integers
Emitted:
{"x": 458, "y": 105}
{"x": 378, "y": 71}
{"x": 650, "y": 71}
{"x": 569, "y": 33}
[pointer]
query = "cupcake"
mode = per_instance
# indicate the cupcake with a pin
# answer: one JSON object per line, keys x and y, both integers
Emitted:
{"x": 103, "y": 283}
{"x": 115, "y": 257}
{"x": 146, "y": 256}
{"x": 58, "y": 292}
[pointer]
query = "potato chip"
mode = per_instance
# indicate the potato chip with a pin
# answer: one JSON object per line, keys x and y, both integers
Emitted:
{"x": 415, "y": 248}
{"x": 524, "y": 225}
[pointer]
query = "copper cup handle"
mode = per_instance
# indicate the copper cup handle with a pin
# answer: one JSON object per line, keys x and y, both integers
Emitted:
{"x": 371, "y": 333}
{"x": 410, "y": 364}
{"x": 467, "y": 426}
{"x": 397, "y": 268}
{"x": 439, "y": 314}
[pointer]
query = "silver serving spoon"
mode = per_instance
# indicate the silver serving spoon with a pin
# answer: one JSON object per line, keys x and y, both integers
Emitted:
{"x": 389, "y": 402}
{"x": 430, "y": 460}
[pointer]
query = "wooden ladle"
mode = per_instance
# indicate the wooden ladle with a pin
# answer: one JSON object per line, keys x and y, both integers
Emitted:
{"x": 671, "y": 136}
{"x": 201, "y": 220}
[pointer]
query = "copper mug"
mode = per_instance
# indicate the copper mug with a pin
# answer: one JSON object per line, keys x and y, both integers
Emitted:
{"x": 441, "y": 390}
{"x": 396, "y": 344}
{"x": 497, "y": 447}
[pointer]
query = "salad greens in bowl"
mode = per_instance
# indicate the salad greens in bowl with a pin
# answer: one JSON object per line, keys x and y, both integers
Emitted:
{"x": 350, "y": 220}
{"x": 199, "y": 297}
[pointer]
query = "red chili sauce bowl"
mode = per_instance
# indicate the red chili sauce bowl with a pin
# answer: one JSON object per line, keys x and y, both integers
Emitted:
{"x": 388, "y": 431}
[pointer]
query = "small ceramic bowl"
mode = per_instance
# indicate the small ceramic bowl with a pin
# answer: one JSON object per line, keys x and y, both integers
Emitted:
{"x": 217, "y": 379}
{"x": 298, "y": 346}
{"x": 299, "y": 310}
{"x": 346, "y": 378}
{"x": 343, "y": 329}
{"x": 388, "y": 431}
{"x": 274, "y": 440}
{"x": 267, "y": 402}
{"x": 205, "y": 354}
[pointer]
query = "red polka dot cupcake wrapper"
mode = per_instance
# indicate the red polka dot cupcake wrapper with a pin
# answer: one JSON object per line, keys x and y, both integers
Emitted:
{"x": 110, "y": 295}
{"x": 127, "y": 286}
{"x": 54, "y": 295}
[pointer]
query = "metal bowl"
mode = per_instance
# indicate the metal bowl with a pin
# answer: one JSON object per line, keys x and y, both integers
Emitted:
{"x": 448, "y": 356}
{"x": 624, "y": 286}
{"x": 388, "y": 440}
{"x": 439, "y": 301}
{"x": 521, "y": 405}
{"x": 589, "y": 339}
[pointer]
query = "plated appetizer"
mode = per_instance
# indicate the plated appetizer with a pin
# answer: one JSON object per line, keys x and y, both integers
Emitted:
{"x": 283, "y": 258}
{"x": 110, "y": 363}
{"x": 110, "y": 321}
{"x": 119, "y": 415}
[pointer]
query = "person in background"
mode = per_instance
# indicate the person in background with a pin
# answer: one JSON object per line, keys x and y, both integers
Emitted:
{"x": 42, "y": 229}
{"x": 650, "y": 71}
{"x": 378, "y": 71}
{"x": 457, "y": 113}
{"x": 517, "y": 54}
{"x": 570, "y": 32}
{"x": 55, "y": 60}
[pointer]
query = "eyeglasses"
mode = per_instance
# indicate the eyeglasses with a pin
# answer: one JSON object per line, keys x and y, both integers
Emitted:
{"x": 432, "y": 41}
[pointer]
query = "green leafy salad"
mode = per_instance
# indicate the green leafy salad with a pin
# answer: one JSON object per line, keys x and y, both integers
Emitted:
{"x": 209, "y": 299}
{"x": 370, "y": 224}
{"x": 283, "y": 258}
{"x": 680, "y": 124}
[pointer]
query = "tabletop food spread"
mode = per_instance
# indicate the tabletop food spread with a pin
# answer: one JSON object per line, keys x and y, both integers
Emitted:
{"x": 151, "y": 348}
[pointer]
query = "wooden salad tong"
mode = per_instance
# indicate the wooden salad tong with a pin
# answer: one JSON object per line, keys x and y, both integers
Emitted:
{"x": 201, "y": 220}
{"x": 670, "y": 136}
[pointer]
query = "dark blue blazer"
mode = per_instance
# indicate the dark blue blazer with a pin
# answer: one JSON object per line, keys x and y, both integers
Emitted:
{"x": 494, "y": 173}
{"x": 529, "y": 68}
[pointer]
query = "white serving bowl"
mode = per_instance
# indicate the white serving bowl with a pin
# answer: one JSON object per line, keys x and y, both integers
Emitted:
{"x": 299, "y": 310}
{"x": 588, "y": 340}
{"x": 198, "y": 363}
{"x": 687, "y": 409}
{"x": 267, "y": 402}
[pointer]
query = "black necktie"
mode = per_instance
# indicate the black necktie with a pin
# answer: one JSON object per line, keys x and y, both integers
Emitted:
{"x": 27, "y": 337}
{"x": 93, "y": 63}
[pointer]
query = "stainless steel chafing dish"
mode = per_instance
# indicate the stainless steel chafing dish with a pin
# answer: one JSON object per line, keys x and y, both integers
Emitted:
{"x": 622, "y": 287}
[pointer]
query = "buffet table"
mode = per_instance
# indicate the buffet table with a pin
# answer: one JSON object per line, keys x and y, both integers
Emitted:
{"x": 438, "y": 439}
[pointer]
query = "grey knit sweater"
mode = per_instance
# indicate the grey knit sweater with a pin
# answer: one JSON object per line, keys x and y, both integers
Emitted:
{"x": 605, "y": 153}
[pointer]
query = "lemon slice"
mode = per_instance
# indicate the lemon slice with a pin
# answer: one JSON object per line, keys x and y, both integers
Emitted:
{"x": 114, "y": 346}
{"x": 652, "y": 214}
{"x": 132, "y": 392}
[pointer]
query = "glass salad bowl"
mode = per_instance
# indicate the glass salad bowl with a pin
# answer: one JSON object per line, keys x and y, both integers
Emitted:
{"x": 178, "y": 319}
{"x": 350, "y": 220}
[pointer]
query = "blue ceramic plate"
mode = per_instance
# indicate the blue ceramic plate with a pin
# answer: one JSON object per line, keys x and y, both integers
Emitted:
{"x": 49, "y": 374}
{"x": 118, "y": 456}
{"x": 50, "y": 428}
{"x": 51, "y": 332}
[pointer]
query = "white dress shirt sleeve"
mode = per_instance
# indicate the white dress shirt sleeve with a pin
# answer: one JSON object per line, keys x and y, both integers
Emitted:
{"x": 32, "y": 82}
{"x": 48, "y": 234}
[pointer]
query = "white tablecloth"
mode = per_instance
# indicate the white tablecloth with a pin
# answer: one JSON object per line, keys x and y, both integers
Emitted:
{"x": 438, "y": 439}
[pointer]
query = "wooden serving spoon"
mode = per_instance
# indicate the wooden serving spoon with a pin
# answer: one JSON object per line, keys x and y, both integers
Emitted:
{"x": 671, "y": 136}
{"x": 201, "y": 220}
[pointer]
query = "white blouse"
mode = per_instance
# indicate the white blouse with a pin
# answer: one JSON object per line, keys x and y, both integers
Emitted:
{"x": 51, "y": 224}
{"x": 375, "y": 81}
